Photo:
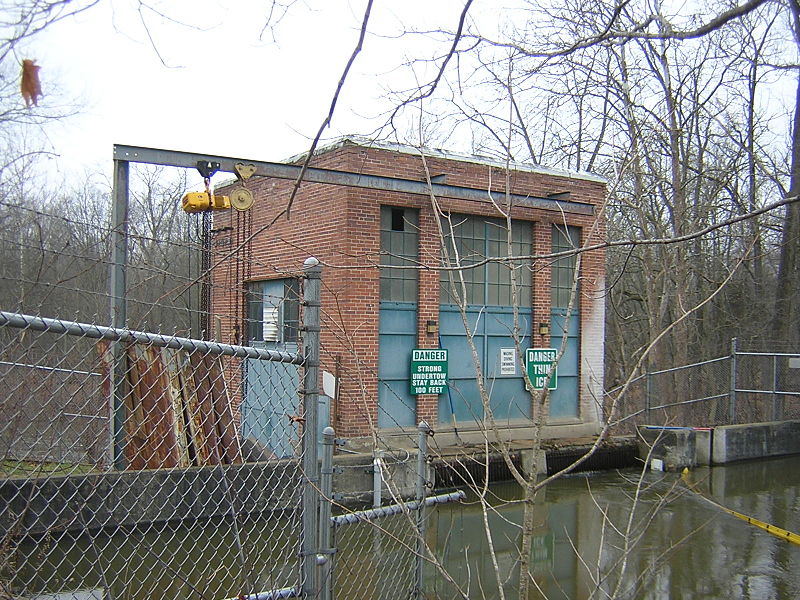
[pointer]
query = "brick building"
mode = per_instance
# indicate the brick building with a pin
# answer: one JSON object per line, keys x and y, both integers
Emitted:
{"x": 384, "y": 293}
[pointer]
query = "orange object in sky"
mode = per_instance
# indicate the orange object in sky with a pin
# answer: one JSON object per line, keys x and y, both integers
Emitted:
{"x": 30, "y": 87}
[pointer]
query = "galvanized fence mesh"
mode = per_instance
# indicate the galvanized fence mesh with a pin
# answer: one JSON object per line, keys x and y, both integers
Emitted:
{"x": 162, "y": 456}
{"x": 125, "y": 470}
{"x": 376, "y": 559}
{"x": 767, "y": 386}
{"x": 742, "y": 387}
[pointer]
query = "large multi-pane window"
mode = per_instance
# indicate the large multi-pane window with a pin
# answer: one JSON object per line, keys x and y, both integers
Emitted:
{"x": 471, "y": 240}
{"x": 399, "y": 241}
{"x": 563, "y": 269}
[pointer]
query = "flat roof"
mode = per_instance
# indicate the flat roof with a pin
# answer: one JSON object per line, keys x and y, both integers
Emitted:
{"x": 364, "y": 142}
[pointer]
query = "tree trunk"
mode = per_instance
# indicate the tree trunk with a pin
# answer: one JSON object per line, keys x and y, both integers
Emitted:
{"x": 785, "y": 324}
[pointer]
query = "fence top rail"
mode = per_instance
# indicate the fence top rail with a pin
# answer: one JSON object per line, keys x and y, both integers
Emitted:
{"x": 621, "y": 386}
{"x": 697, "y": 364}
{"x": 395, "y": 509}
{"x": 22, "y": 321}
{"x": 776, "y": 354}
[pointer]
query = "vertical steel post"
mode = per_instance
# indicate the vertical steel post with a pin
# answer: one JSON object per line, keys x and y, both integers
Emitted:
{"x": 422, "y": 480}
{"x": 119, "y": 307}
{"x": 377, "y": 478}
{"x": 311, "y": 329}
{"x": 777, "y": 412}
{"x": 647, "y": 395}
{"x": 326, "y": 489}
{"x": 732, "y": 390}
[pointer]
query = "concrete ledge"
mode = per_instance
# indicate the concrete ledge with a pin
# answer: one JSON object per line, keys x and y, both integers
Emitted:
{"x": 676, "y": 447}
{"x": 78, "y": 502}
{"x": 755, "y": 440}
{"x": 445, "y": 436}
{"x": 354, "y": 476}
{"x": 680, "y": 447}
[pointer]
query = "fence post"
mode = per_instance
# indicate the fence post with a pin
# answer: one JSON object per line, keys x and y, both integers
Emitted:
{"x": 422, "y": 481}
{"x": 777, "y": 401}
{"x": 732, "y": 390}
{"x": 326, "y": 488}
{"x": 647, "y": 395}
{"x": 377, "y": 478}
{"x": 311, "y": 329}
{"x": 119, "y": 313}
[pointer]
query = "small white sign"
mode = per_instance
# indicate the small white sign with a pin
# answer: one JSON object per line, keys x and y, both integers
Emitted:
{"x": 328, "y": 384}
{"x": 794, "y": 363}
{"x": 508, "y": 361}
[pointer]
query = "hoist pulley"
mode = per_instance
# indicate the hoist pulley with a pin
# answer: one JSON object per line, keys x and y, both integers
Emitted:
{"x": 194, "y": 202}
{"x": 241, "y": 198}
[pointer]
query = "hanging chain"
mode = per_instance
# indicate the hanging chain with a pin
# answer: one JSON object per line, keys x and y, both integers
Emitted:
{"x": 244, "y": 264}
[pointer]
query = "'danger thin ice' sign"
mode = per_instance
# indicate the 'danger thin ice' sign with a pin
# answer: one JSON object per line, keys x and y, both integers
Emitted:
{"x": 540, "y": 363}
{"x": 428, "y": 371}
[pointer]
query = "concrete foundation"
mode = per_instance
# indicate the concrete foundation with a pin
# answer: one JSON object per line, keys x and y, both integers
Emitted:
{"x": 354, "y": 476}
{"x": 679, "y": 447}
{"x": 755, "y": 440}
{"x": 446, "y": 437}
{"x": 129, "y": 498}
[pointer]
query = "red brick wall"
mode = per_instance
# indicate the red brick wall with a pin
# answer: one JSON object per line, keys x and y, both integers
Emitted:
{"x": 340, "y": 226}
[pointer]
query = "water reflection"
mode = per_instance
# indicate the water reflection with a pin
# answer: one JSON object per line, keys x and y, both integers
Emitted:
{"x": 678, "y": 545}
{"x": 167, "y": 560}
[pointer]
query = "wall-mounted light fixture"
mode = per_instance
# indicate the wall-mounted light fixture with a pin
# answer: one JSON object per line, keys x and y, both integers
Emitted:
{"x": 544, "y": 329}
{"x": 431, "y": 327}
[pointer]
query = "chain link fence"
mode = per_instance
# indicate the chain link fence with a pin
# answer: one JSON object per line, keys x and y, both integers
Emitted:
{"x": 159, "y": 431}
{"x": 149, "y": 459}
{"x": 155, "y": 494}
{"x": 376, "y": 560}
{"x": 742, "y": 387}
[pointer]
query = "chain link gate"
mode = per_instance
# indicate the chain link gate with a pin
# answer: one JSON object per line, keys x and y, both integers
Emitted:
{"x": 124, "y": 468}
{"x": 378, "y": 553}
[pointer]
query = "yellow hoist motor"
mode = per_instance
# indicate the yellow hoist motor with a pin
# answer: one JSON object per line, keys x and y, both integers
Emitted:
{"x": 194, "y": 202}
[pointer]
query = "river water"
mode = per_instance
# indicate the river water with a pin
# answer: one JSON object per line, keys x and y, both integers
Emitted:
{"x": 611, "y": 534}
{"x": 678, "y": 545}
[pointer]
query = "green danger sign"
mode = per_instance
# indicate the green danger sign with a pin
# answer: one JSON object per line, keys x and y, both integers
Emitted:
{"x": 428, "y": 371}
{"x": 539, "y": 362}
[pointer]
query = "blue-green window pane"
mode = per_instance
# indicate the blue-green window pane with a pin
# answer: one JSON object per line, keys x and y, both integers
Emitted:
{"x": 399, "y": 248}
{"x": 483, "y": 250}
{"x": 562, "y": 278}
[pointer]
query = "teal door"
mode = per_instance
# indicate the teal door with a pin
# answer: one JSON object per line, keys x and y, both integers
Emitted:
{"x": 492, "y": 325}
{"x": 397, "y": 338}
{"x": 397, "y": 329}
{"x": 564, "y": 399}
{"x": 483, "y": 283}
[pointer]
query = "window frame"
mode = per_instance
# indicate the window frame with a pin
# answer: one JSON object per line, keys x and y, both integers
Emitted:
{"x": 287, "y": 311}
{"x": 562, "y": 270}
{"x": 488, "y": 284}
{"x": 399, "y": 247}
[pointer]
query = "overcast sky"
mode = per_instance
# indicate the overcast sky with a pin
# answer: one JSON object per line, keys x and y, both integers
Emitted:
{"x": 220, "y": 89}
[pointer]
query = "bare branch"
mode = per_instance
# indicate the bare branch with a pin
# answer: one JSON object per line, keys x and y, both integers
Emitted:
{"x": 327, "y": 120}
